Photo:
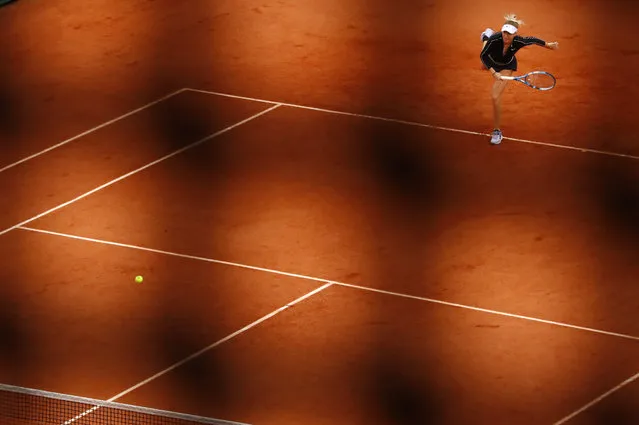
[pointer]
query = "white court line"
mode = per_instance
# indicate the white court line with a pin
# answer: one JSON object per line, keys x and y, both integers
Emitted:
{"x": 223, "y": 340}
{"x": 121, "y": 117}
{"x": 499, "y": 313}
{"x": 416, "y": 124}
{"x": 300, "y": 276}
{"x": 203, "y": 350}
{"x": 211, "y": 136}
{"x": 598, "y": 399}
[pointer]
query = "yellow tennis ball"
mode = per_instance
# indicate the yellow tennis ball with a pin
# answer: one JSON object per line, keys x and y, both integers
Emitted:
{"x": 139, "y": 279}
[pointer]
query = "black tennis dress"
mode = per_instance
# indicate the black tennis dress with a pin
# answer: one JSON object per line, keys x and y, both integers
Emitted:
{"x": 492, "y": 55}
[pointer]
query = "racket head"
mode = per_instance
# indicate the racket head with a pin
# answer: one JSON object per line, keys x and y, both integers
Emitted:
{"x": 540, "y": 80}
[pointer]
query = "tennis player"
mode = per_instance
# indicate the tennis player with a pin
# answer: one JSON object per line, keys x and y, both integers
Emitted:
{"x": 498, "y": 56}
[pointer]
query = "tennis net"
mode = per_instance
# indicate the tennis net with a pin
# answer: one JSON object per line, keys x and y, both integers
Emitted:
{"x": 22, "y": 406}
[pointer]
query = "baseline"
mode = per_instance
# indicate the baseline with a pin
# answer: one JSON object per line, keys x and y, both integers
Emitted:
{"x": 416, "y": 124}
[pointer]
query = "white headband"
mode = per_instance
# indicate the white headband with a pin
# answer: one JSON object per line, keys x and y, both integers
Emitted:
{"x": 509, "y": 28}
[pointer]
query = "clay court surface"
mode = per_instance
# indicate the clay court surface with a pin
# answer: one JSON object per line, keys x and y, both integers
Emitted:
{"x": 325, "y": 234}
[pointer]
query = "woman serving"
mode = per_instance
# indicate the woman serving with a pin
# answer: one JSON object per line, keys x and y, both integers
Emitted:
{"x": 498, "y": 57}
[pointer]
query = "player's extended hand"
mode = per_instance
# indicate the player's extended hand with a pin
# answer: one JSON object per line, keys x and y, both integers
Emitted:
{"x": 553, "y": 46}
{"x": 497, "y": 76}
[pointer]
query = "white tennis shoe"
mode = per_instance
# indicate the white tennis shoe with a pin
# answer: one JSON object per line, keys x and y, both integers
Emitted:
{"x": 488, "y": 32}
{"x": 496, "y": 137}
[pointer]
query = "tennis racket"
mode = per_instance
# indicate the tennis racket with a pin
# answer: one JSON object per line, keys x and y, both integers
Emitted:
{"x": 539, "y": 80}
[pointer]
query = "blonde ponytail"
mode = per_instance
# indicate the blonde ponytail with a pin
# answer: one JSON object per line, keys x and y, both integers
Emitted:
{"x": 513, "y": 20}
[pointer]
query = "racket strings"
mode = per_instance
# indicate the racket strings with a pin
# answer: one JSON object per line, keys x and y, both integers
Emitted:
{"x": 541, "y": 80}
